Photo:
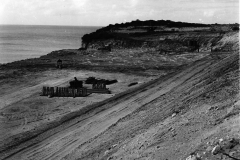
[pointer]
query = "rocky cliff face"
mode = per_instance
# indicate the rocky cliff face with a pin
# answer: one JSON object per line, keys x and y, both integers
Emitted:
{"x": 176, "y": 42}
{"x": 165, "y": 35}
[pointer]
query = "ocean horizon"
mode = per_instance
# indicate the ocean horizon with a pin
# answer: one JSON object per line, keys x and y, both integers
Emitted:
{"x": 18, "y": 42}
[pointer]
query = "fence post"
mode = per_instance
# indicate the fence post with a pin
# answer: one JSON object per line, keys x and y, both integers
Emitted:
{"x": 52, "y": 91}
{"x": 73, "y": 92}
{"x": 56, "y": 91}
{"x": 84, "y": 92}
{"x": 70, "y": 92}
{"x": 48, "y": 91}
{"x": 80, "y": 92}
{"x": 104, "y": 85}
{"x": 65, "y": 92}
{"x": 61, "y": 91}
{"x": 44, "y": 91}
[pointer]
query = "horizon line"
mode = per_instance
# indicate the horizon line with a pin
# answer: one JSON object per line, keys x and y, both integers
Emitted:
{"x": 115, "y": 23}
{"x": 48, "y": 25}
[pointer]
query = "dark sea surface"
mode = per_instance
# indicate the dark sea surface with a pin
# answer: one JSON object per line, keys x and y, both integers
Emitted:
{"x": 19, "y": 42}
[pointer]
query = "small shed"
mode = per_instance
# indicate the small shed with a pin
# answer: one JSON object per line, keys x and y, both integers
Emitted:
{"x": 59, "y": 64}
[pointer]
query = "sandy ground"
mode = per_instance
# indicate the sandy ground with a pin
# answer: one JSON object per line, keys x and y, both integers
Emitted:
{"x": 169, "y": 117}
{"x": 24, "y": 109}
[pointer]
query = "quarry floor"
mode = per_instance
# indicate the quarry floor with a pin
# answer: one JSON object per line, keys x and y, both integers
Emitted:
{"x": 163, "y": 117}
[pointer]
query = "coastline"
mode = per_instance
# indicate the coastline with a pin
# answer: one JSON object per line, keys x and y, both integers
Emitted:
{"x": 19, "y": 42}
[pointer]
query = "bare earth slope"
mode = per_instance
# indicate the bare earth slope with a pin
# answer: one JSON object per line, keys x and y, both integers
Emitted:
{"x": 167, "y": 118}
{"x": 184, "y": 104}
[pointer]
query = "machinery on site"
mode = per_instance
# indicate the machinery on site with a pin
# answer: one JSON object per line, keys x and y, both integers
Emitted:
{"x": 76, "y": 88}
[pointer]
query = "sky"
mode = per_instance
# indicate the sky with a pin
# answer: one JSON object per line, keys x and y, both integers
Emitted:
{"x": 105, "y": 12}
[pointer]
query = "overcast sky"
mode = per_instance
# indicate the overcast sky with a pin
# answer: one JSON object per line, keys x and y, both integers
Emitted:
{"x": 104, "y": 12}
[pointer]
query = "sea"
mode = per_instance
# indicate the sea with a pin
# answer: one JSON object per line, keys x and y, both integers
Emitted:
{"x": 18, "y": 42}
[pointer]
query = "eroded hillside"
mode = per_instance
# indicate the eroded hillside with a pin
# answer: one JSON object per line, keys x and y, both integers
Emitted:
{"x": 191, "y": 112}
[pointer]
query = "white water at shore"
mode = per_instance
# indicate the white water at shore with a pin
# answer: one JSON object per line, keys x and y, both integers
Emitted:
{"x": 19, "y": 42}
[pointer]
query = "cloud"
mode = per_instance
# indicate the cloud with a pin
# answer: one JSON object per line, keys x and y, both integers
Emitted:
{"x": 209, "y": 13}
{"x": 133, "y": 3}
{"x": 103, "y": 12}
{"x": 121, "y": 13}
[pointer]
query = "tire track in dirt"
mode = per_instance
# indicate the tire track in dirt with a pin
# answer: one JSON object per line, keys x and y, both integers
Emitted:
{"x": 72, "y": 135}
{"x": 29, "y": 139}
